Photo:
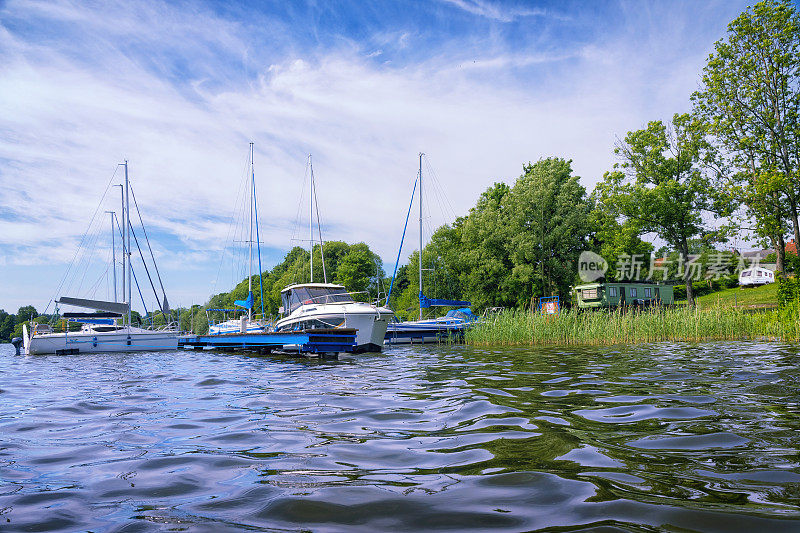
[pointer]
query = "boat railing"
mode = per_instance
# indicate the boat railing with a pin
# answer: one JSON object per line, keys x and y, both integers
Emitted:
{"x": 328, "y": 298}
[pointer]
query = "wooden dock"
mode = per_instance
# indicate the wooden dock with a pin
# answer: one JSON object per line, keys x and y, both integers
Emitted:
{"x": 313, "y": 341}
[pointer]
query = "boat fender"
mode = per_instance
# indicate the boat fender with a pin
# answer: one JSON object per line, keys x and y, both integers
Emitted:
{"x": 17, "y": 342}
{"x": 129, "y": 340}
{"x": 94, "y": 342}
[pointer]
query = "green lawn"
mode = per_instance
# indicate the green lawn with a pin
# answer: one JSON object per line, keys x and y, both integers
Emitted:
{"x": 766, "y": 295}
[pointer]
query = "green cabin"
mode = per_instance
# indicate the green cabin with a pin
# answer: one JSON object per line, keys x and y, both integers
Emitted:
{"x": 616, "y": 293}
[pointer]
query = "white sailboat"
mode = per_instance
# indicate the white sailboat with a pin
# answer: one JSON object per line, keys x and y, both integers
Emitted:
{"x": 328, "y": 305}
{"x": 432, "y": 329}
{"x": 245, "y": 324}
{"x": 99, "y": 331}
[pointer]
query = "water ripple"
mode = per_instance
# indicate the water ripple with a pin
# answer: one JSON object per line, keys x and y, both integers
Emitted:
{"x": 665, "y": 436}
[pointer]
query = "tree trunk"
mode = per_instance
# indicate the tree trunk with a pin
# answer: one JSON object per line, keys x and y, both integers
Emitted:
{"x": 687, "y": 280}
{"x": 795, "y": 225}
{"x": 780, "y": 253}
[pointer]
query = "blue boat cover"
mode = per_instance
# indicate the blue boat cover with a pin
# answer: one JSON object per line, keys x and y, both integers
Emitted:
{"x": 247, "y": 304}
{"x": 107, "y": 321}
{"x": 426, "y": 302}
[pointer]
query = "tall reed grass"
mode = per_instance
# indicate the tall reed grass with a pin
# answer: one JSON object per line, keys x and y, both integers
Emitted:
{"x": 522, "y": 328}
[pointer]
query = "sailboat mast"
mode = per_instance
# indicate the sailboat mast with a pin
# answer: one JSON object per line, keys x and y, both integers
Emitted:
{"x": 128, "y": 238}
{"x": 113, "y": 254}
{"x": 250, "y": 240}
{"x": 420, "y": 235}
{"x": 311, "y": 217}
{"x": 122, "y": 236}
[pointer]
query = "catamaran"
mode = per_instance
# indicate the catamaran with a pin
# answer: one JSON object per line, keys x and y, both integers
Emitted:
{"x": 100, "y": 331}
{"x": 433, "y": 329}
{"x": 327, "y": 305}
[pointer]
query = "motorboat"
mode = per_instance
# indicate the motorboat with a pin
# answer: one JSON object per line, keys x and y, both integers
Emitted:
{"x": 329, "y": 306}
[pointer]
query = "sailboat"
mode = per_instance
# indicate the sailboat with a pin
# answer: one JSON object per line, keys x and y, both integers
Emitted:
{"x": 454, "y": 322}
{"x": 328, "y": 305}
{"x": 99, "y": 329}
{"x": 246, "y": 324}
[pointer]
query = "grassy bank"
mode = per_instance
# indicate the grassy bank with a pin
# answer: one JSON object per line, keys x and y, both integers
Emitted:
{"x": 522, "y": 328}
{"x": 755, "y": 297}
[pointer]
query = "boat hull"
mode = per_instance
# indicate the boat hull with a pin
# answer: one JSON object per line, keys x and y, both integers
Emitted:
{"x": 424, "y": 331}
{"x": 97, "y": 342}
{"x": 370, "y": 322}
{"x": 225, "y": 328}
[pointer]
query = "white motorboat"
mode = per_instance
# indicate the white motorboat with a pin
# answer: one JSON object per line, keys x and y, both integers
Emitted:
{"x": 329, "y": 306}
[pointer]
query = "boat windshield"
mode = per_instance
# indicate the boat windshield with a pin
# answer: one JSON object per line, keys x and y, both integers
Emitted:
{"x": 314, "y": 295}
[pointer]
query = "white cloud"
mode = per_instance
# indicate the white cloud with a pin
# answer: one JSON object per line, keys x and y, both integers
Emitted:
{"x": 495, "y": 11}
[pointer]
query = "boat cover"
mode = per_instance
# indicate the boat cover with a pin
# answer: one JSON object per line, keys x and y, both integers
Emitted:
{"x": 100, "y": 305}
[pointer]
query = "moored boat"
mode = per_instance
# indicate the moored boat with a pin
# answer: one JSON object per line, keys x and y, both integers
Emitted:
{"x": 100, "y": 330}
{"x": 328, "y": 306}
{"x": 449, "y": 326}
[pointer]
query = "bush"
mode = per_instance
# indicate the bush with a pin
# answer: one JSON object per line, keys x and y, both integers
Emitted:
{"x": 788, "y": 291}
{"x": 792, "y": 263}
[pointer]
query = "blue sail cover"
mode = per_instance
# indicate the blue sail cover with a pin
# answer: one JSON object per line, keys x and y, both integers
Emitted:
{"x": 425, "y": 302}
{"x": 104, "y": 321}
{"x": 247, "y": 304}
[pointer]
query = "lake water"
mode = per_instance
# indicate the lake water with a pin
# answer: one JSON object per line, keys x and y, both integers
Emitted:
{"x": 698, "y": 437}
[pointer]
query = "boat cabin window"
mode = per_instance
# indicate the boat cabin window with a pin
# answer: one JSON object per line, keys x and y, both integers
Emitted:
{"x": 612, "y": 291}
{"x": 745, "y": 273}
{"x": 589, "y": 294}
{"x": 648, "y": 292}
{"x": 632, "y": 292}
{"x": 317, "y": 295}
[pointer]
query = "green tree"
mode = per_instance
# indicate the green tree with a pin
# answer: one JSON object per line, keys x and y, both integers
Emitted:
{"x": 26, "y": 313}
{"x": 7, "y": 323}
{"x": 614, "y": 239}
{"x": 548, "y": 229}
{"x": 664, "y": 186}
{"x": 750, "y": 99}
{"x": 358, "y": 271}
{"x": 485, "y": 260}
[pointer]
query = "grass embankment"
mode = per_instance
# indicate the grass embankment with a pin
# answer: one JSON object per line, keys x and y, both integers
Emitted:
{"x": 522, "y": 328}
{"x": 750, "y": 298}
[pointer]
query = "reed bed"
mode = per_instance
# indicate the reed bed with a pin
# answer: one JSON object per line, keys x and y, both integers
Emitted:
{"x": 523, "y": 328}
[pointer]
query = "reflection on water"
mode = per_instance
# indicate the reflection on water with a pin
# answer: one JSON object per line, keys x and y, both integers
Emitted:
{"x": 702, "y": 437}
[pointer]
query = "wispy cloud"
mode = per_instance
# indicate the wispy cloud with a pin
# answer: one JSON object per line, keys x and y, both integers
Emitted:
{"x": 495, "y": 11}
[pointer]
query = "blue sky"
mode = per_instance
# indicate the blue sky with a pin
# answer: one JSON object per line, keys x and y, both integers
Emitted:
{"x": 180, "y": 88}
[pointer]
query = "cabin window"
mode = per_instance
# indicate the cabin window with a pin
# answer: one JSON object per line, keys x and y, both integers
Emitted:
{"x": 632, "y": 292}
{"x": 612, "y": 291}
{"x": 648, "y": 292}
{"x": 590, "y": 294}
{"x": 746, "y": 273}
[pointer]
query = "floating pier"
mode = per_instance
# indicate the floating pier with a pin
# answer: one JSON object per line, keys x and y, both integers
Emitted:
{"x": 314, "y": 341}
